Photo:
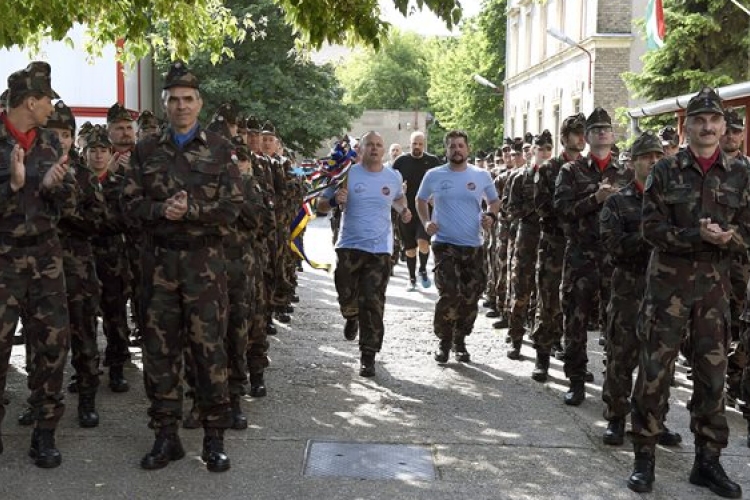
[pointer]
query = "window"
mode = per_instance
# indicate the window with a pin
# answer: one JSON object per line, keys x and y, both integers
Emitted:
{"x": 539, "y": 121}
{"x": 556, "y": 125}
{"x": 527, "y": 34}
{"x": 525, "y": 124}
{"x": 576, "y": 105}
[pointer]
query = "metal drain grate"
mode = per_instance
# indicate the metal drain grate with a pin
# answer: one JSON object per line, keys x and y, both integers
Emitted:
{"x": 368, "y": 461}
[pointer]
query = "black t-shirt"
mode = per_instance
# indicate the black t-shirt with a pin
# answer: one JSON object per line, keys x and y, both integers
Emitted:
{"x": 413, "y": 170}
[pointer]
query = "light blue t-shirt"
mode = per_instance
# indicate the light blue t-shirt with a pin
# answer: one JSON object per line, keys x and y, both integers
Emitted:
{"x": 457, "y": 203}
{"x": 366, "y": 219}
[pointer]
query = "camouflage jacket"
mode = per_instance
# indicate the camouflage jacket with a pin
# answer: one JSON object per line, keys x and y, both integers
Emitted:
{"x": 250, "y": 220}
{"x": 678, "y": 194}
{"x": 620, "y": 229}
{"x": 503, "y": 184}
{"x": 544, "y": 194}
{"x": 261, "y": 172}
{"x": 575, "y": 201}
{"x": 33, "y": 210}
{"x": 521, "y": 200}
{"x": 91, "y": 206}
{"x": 203, "y": 168}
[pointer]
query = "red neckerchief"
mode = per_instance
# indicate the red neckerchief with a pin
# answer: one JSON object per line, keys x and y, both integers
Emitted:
{"x": 602, "y": 163}
{"x": 25, "y": 140}
{"x": 705, "y": 163}
{"x": 638, "y": 186}
{"x": 103, "y": 176}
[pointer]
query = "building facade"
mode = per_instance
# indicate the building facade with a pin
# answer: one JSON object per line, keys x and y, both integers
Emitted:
{"x": 548, "y": 79}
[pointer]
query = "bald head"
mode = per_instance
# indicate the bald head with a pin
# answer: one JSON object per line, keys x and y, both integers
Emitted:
{"x": 417, "y": 144}
{"x": 394, "y": 151}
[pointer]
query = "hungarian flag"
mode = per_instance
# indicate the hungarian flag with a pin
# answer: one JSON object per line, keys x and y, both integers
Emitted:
{"x": 655, "y": 28}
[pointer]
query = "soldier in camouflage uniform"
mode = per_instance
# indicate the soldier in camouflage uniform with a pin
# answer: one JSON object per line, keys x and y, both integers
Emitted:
{"x": 365, "y": 244}
{"x": 457, "y": 191}
{"x": 148, "y": 125}
{"x": 521, "y": 206}
{"x": 501, "y": 259}
{"x": 185, "y": 189}
{"x": 580, "y": 190}
{"x": 620, "y": 227}
{"x": 519, "y": 162}
{"x": 35, "y": 190}
{"x": 548, "y": 323}
{"x": 695, "y": 214}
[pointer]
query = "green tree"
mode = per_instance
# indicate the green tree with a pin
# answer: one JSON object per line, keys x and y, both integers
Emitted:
{"x": 706, "y": 44}
{"x": 268, "y": 78}
{"x": 456, "y": 100}
{"x": 395, "y": 76}
{"x": 183, "y": 27}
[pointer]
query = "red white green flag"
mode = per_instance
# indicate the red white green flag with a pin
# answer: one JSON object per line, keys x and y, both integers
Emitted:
{"x": 655, "y": 28}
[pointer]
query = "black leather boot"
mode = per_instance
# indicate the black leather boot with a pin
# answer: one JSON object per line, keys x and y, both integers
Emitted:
{"x": 443, "y": 352}
{"x": 191, "y": 420}
{"x": 642, "y": 478}
{"x": 271, "y": 329}
{"x": 43, "y": 449}
{"x": 26, "y": 417}
{"x": 576, "y": 394}
{"x": 541, "y": 367}
{"x": 257, "y": 385}
{"x": 117, "y": 380}
{"x": 460, "y": 352}
{"x": 239, "y": 420}
{"x": 167, "y": 447}
{"x": 515, "y": 351}
{"x": 669, "y": 438}
{"x": 615, "y": 433}
{"x": 367, "y": 364}
{"x": 87, "y": 415}
{"x": 213, "y": 451}
{"x": 707, "y": 471}
{"x": 351, "y": 329}
{"x": 283, "y": 317}
{"x": 500, "y": 323}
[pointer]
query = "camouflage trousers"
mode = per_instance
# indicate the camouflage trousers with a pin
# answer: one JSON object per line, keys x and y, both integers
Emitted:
{"x": 583, "y": 281}
{"x": 548, "y": 323}
{"x": 523, "y": 278}
{"x": 185, "y": 304}
{"x": 623, "y": 346}
{"x": 501, "y": 267}
{"x": 83, "y": 292}
{"x": 459, "y": 279}
{"x": 512, "y": 234}
{"x": 283, "y": 288}
{"x": 692, "y": 290}
{"x": 490, "y": 251}
{"x": 257, "y": 344}
{"x": 32, "y": 282}
{"x": 737, "y": 360}
{"x": 113, "y": 270}
{"x": 239, "y": 269}
{"x": 361, "y": 280}
{"x": 134, "y": 248}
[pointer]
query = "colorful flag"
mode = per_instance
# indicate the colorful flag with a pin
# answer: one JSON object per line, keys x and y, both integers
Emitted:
{"x": 655, "y": 28}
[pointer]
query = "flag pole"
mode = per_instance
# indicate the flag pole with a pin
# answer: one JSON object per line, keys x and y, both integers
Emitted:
{"x": 741, "y": 7}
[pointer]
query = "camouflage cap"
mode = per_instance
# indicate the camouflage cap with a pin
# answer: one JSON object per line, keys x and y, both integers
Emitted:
{"x": 528, "y": 138}
{"x": 4, "y": 98}
{"x": 85, "y": 129}
{"x": 647, "y": 142}
{"x": 98, "y": 136}
{"x": 62, "y": 117}
{"x": 508, "y": 141}
{"x": 36, "y": 77}
{"x": 240, "y": 148}
{"x": 573, "y": 123}
{"x": 598, "y": 118}
{"x": 669, "y": 136}
{"x": 705, "y": 101}
{"x": 242, "y": 123}
{"x": 118, "y": 113}
{"x": 219, "y": 126}
{"x": 228, "y": 111}
{"x": 268, "y": 128}
{"x": 733, "y": 119}
{"x": 253, "y": 125}
{"x": 148, "y": 119}
{"x": 544, "y": 139}
{"x": 625, "y": 156}
{"x": 517, "y": 146}
{"x": 180, "y": 76}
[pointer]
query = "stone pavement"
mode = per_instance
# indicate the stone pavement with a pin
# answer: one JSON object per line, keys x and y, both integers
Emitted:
{"x": 492, "y": 432}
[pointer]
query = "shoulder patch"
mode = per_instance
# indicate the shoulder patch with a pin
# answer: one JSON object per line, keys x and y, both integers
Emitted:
{"x": 605, "y": 214}
{"x": 649, "y": 182}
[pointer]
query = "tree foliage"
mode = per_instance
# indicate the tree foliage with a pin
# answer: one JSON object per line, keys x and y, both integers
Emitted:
{"x": 706, "y": 44}
{"x": 180, "y": 28}
{"x": 394, "y": 77}
{"x": 268, "y": 78}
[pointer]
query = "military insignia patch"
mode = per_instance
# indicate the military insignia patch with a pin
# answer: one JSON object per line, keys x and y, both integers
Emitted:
{"x": 536, "y": 176}
{"x": 605, "y": 214}
{"x": 649, "y": 181}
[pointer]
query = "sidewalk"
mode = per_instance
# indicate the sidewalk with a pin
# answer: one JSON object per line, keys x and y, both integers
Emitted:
{"x": 491, "y": 432}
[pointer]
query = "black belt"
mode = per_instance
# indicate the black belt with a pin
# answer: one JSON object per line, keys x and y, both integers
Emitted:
{"x": 182, "y": 243}
{"x": 26, "y": 241}
{"x": 708, "y": 256}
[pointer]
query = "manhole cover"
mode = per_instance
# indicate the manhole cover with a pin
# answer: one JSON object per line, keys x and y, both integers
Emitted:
{"x": 368, "y": 461}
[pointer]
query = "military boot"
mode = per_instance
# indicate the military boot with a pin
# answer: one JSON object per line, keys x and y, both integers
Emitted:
{"x": 576, "y": 393}
{"x": 541, "y": 367}
{"x": 26, "y": 417}
{"x": 87, "y": 414}
{"x": 615, "y": 433}
{"x": 515, "y": 351}
{"x": 708, "y": 472}
{"x": 117, "y": 380}
{"x": 239, "y": 420}
{"x": 283, "y": 317}
{"x": 43, "y": 449}
{"x": 443, "y": 352}
{"x": 257, "y": 385}
{"x": 271, "y": 329}
{"x": 367, "y": 364}
{"x": 500, "y": 323}
{"x": 213, "y": 451}
{"x": 351, "y": 328}
{"x": 642, "y": 478}
{"x": 669, "y": 438}
{"x": 167, "y": 448}
{"x": 460, "y": 352}
{"x": 192, "y": 420}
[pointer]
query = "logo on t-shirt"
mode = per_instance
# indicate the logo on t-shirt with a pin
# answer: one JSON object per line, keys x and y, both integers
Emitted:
{"x": 471, "y": 186}
{"x": 386, "y": 190}
{"x": 359, "y": 188}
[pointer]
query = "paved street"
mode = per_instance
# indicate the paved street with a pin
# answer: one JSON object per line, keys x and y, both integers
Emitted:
{"x": 491, "y": 431}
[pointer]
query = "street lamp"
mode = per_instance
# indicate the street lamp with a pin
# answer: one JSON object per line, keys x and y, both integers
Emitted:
{"x": 559, "y": 35}
{"x": 483, "y": 81}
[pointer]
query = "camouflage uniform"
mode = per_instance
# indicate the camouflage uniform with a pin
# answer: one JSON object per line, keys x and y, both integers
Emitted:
{"x": 503, "y": 235}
